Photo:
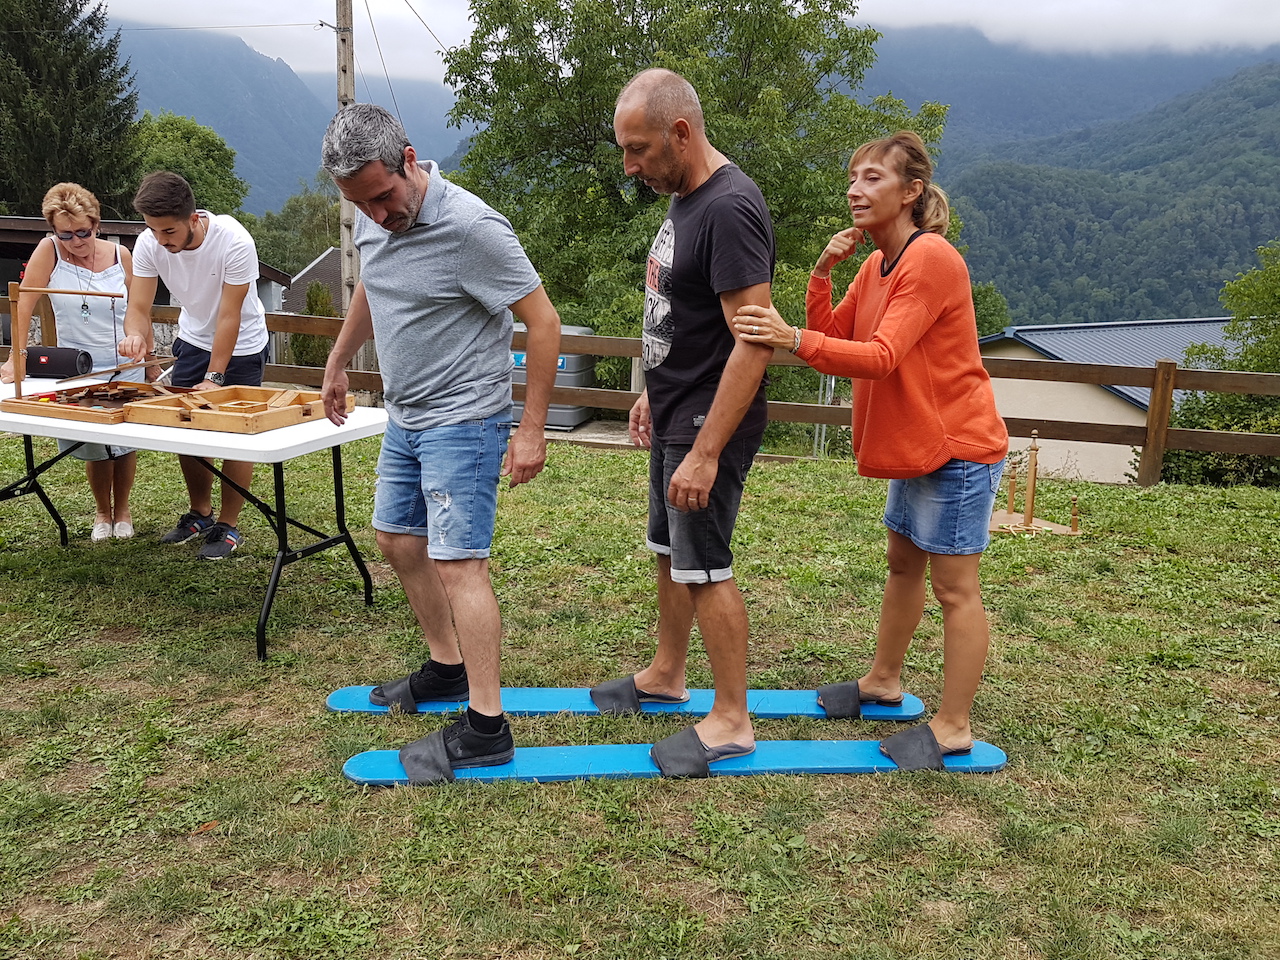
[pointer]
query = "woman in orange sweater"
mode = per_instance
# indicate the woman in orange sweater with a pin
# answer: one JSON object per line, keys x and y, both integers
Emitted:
{"x": 924, "y": 417}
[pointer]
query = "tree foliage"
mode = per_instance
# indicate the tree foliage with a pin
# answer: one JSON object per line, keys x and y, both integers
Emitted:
{"x": 66, "y": 105}
{"x": 306, "y": 226}
{"x": 1253, "y": 344}
{"x": 540, "y": 78}
{"x": 181, "y": 145}
{"x": 991, "y": 308}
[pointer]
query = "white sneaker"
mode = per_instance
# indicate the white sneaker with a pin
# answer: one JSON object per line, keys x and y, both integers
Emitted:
{"x": 101, "y": 531}
{"x": 123, "y": 530}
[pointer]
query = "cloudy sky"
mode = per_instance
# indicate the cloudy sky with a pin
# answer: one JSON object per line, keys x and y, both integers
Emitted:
{"x": 289, "y": 29}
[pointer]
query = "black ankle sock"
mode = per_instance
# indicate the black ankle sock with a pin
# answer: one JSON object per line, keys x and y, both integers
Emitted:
{"x": 482, "y": 723}
{"x": 447, "y": 671}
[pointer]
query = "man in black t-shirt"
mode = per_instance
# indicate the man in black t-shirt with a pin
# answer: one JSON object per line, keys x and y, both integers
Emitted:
{"x": 703, "y": 412}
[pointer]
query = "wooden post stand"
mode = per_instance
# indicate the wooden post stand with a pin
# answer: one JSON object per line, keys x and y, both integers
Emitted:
{"x": 1007, "y": 521}
{"x": 18, "y": 350}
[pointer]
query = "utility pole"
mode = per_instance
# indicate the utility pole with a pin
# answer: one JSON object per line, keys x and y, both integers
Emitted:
{"x": 347, "y": 95}
{"x": 367, "y": 357}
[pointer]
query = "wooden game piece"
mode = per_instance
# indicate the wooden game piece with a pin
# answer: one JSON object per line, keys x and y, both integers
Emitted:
{"x": 1029, "y": 498}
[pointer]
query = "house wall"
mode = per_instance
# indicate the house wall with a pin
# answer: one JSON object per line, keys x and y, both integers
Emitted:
{"x": 1083, "y": 402}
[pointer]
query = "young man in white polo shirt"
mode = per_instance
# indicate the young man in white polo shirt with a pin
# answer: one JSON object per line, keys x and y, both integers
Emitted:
{"x": 210, "y": 265}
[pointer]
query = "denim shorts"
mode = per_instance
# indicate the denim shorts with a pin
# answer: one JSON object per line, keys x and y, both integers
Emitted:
{"x": 948, "y": 511}
{"x": 94, "y": 452}
{"x": 698, "y": 541}
{"x": 442, "y": 484}
{"x": 191, "y": 363}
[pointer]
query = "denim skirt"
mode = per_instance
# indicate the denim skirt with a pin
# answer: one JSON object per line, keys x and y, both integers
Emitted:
{"x": 947, "y": 511}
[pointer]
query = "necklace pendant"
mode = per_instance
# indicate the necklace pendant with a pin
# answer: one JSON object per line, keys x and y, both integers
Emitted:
{"x": 84, "y": 310}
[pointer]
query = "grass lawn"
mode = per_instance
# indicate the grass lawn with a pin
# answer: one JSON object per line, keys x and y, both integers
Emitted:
{"x": 164, "y": 795}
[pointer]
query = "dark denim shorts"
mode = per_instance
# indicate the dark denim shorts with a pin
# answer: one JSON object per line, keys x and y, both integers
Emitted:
{"x": 948, "y": 511}
{"x": 698, "y": 541}
{"x": 191, "y": 363}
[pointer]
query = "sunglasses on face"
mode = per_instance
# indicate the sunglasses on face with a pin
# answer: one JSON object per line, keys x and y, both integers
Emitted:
{"x": 82, "y": 234}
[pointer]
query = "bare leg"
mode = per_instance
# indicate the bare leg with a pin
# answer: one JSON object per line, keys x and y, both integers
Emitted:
{"x": 442, "y": 593}
{"x": 126, "y": 469}
{"x": 479, "y": 627}
{"x": 407, "y": 555}
{"x": 722, "y": 620}
{"x": 900, "y": 614}
{"x": 242, "y": 473}
{"x": 100, "y": 474}
{"x": 966, "y": 637}
{"x": 199, "y": 485}
{"x": 675, "y": 623}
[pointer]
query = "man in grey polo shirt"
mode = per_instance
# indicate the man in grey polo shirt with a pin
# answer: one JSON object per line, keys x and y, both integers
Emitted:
{"x": 441, "y": 275}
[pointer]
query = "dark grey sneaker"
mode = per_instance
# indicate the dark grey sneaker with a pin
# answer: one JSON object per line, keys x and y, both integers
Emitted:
{"x": 468, "y": 747}
{"x": 220, "y": 543}
{"x": 425, "y": 684}
{"x": 190, "y": 526}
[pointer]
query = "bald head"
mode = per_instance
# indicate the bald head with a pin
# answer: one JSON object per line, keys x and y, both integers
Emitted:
{"x": 665, "y": 96}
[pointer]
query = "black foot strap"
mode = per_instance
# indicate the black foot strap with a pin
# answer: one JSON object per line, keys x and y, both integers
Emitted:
{"x": 841, "y": 700}
{"x": 681, "y": 755}
{"x": 399, "y": 693}
{"x": 914, "y": 749}
{"x": 426, "y": 760}
{"x": 617, "y": 696}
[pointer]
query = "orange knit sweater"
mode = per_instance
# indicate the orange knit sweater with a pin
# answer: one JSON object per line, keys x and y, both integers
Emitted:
{"x": 921, "y": 396}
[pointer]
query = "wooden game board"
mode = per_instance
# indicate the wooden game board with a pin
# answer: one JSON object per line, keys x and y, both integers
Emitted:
{"x": 232, "y": 409}
{"x": 98, "y": 403}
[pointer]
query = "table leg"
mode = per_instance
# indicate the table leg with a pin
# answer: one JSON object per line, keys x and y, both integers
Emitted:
{"x": 31, "y": 484}
{"x": 278, "y": 517}
{"x": 340, "y": 511}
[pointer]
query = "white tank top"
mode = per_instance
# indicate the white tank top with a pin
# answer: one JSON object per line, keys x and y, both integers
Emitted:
{"x": 93, "y": 324}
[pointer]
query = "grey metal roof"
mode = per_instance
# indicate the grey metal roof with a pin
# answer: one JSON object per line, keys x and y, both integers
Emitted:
{"x": 1135, "y": 343}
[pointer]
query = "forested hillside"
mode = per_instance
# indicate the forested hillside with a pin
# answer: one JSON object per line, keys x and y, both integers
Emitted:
{"x": 1001, "y": 92}
{"x": 257, "y": 104}
{"x": 1140, "y": 219}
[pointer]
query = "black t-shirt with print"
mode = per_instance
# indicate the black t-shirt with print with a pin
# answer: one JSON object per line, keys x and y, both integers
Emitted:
{"x": 717, "y": 239}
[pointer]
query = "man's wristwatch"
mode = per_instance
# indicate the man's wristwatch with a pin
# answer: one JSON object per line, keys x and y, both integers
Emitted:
{"x": 217, "y": 379}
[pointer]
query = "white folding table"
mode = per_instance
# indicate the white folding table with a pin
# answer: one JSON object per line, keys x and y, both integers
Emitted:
{"x": 271, "y": 446}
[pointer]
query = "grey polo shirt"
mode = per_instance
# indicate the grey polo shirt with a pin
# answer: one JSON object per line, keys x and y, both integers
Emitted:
{"x": 439, "y": 294}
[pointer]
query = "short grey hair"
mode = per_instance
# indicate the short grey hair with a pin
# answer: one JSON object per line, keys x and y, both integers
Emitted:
{"x": 358, "y": 134}
{"x": 667, "y": 97}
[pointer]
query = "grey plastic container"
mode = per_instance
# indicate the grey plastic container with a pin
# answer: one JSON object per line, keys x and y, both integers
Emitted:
{"x": 572, "y": 370}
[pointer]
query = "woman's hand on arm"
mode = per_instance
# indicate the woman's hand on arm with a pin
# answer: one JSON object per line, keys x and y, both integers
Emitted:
{"x": 839, "y": 248}
{"x": 755, "y": 323}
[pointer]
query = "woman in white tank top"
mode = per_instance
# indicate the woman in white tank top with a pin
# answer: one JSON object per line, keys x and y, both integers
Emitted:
{"x": 75, "y": 259}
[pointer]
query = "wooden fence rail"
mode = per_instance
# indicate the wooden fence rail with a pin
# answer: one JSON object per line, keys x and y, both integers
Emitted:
{"x": 1154, "y": 438}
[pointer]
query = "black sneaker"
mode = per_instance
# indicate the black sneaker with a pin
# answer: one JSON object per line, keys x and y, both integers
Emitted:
{"x": 426, "y": 684}
{"x": 467, "y": 747}
{"x": 190, "y": 526}
{"x": 221, "y": 541}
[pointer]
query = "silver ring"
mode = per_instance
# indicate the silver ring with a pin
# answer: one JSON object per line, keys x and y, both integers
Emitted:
{"x": 755, "y": 331}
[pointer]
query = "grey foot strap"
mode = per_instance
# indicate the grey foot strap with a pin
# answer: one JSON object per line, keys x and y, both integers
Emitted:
{"x": 841, "y": 700}
{"x": 616, "y": 696}
{"x": 426, "y": 760}
{"x": 399, "y": 693}
{"x": 681, "y": 755}
{"x": 914, "y": 749}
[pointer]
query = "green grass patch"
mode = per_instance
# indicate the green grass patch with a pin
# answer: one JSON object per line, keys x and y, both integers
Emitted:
{"x": 163, "y": 794}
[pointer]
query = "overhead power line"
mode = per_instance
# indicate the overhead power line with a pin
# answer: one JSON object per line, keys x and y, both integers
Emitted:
{"x": 424, "y": 23}
{"x": 377, "y": 43}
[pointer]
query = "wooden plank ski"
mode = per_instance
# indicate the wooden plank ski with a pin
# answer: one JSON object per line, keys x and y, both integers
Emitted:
{"x": 544, "y": 701}
{"x": 382, "y": 768}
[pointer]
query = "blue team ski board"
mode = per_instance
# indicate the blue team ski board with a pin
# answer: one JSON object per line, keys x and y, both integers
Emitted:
{"x": 381, "y": 768}
{"x": 544, "y": 701}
